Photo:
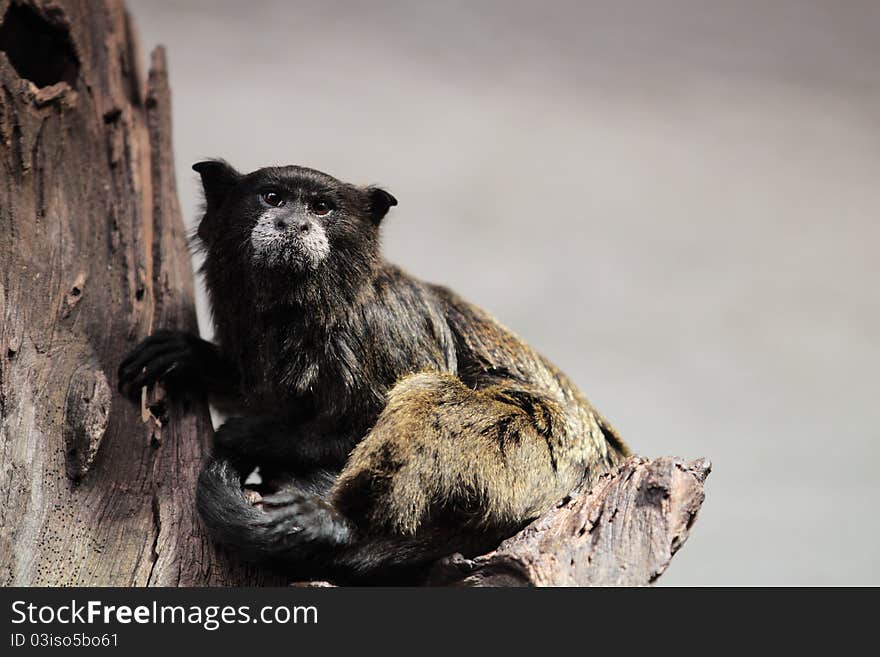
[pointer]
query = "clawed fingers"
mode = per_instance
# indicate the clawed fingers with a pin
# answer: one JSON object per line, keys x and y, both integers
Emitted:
{"x": 284, "y": 499}
{"x": 286, "y": 512}
{"x": 281, "y": 527}
{"x": 162, "y": 339}
{"x": 147, "y": 370}
{"x": 156, "y": 357}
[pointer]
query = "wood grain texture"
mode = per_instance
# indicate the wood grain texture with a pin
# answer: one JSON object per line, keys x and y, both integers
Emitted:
{"x": 93, "y": 256}
{"x": 623, "y": 532}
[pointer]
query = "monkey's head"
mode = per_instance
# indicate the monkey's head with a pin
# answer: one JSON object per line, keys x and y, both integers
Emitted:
{"x": 289, "y": 218}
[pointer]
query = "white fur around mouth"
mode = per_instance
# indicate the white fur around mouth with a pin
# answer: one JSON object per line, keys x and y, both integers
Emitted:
{"x": 280, "y": 246}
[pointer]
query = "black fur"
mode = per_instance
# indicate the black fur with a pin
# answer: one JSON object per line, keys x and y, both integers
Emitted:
{"x": 329, "y": 349}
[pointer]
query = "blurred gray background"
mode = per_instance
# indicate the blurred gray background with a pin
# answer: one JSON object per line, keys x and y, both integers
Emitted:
{"x": 677, "y": 202}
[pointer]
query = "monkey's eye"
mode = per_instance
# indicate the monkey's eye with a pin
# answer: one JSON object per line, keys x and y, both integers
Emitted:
{"x": 273, "y": 197}
{"x": 321, "y": 207}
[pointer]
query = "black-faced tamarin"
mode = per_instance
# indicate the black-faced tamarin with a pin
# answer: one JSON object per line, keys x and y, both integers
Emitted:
{"x": 398, "y": 422}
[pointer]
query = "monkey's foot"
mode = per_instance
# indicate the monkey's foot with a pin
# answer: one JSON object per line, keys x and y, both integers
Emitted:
{"x": 306, "y": 517}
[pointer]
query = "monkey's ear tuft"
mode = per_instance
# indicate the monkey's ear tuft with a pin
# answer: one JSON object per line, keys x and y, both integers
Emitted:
{"x": 379, "y": 203}
{"x": 218, "y": 179}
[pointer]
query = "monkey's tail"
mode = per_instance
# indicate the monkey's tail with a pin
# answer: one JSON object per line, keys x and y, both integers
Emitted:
{"x": 231, "y": 519}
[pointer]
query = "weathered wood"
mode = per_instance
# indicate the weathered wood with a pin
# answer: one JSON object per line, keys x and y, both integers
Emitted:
{"x": 93, "y": 256}
{"x": 623, "y": 532}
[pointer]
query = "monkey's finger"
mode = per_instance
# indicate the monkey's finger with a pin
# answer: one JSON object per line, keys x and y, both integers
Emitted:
{"x": 146, "y": 359}
{"x": 154, "y": 340}
{"x": 162, "y": 335}
{"x": 305, "y": 518}
{"x": 159, "y": 341}
{"x": 286, "y": 498}
{"x": 269, "y": 538}
{"x": 152, "y": 372}
{"x": 282, "y": 529}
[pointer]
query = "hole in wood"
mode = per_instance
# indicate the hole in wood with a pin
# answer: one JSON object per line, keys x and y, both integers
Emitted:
{"x": 38, "y": 50}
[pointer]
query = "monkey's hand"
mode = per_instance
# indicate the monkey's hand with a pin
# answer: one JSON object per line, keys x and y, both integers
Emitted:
{"x": 182, "y": 362}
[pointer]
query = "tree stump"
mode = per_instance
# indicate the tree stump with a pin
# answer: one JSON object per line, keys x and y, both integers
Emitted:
{"x": 93, "y": 257}
{"x": 623, "y": 532}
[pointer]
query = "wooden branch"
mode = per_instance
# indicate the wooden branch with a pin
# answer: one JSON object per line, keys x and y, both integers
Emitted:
{"x": 93, "y": 257}
{"x": 623, "y": 532}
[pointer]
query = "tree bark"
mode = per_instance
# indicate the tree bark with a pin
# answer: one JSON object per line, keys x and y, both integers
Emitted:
{"x": 93, "y": 257}
{"x": 623, "y": 532}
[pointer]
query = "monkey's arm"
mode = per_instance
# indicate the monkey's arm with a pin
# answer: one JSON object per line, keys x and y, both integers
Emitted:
{"x": 265, "y": 439}
{"x": 181, "y": 361}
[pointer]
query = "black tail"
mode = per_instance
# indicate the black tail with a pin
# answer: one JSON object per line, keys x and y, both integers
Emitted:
{"x": 230, "y": 518}
{"x": 234, "y": 522}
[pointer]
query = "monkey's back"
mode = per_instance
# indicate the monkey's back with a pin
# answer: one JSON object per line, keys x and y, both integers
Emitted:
{"x": 489, "y": 353}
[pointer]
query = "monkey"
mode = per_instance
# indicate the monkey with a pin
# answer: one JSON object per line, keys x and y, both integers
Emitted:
{"x": 396, "y": 422}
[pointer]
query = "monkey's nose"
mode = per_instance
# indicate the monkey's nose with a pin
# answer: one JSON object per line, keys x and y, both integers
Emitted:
{"x": 300, "y": 226}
